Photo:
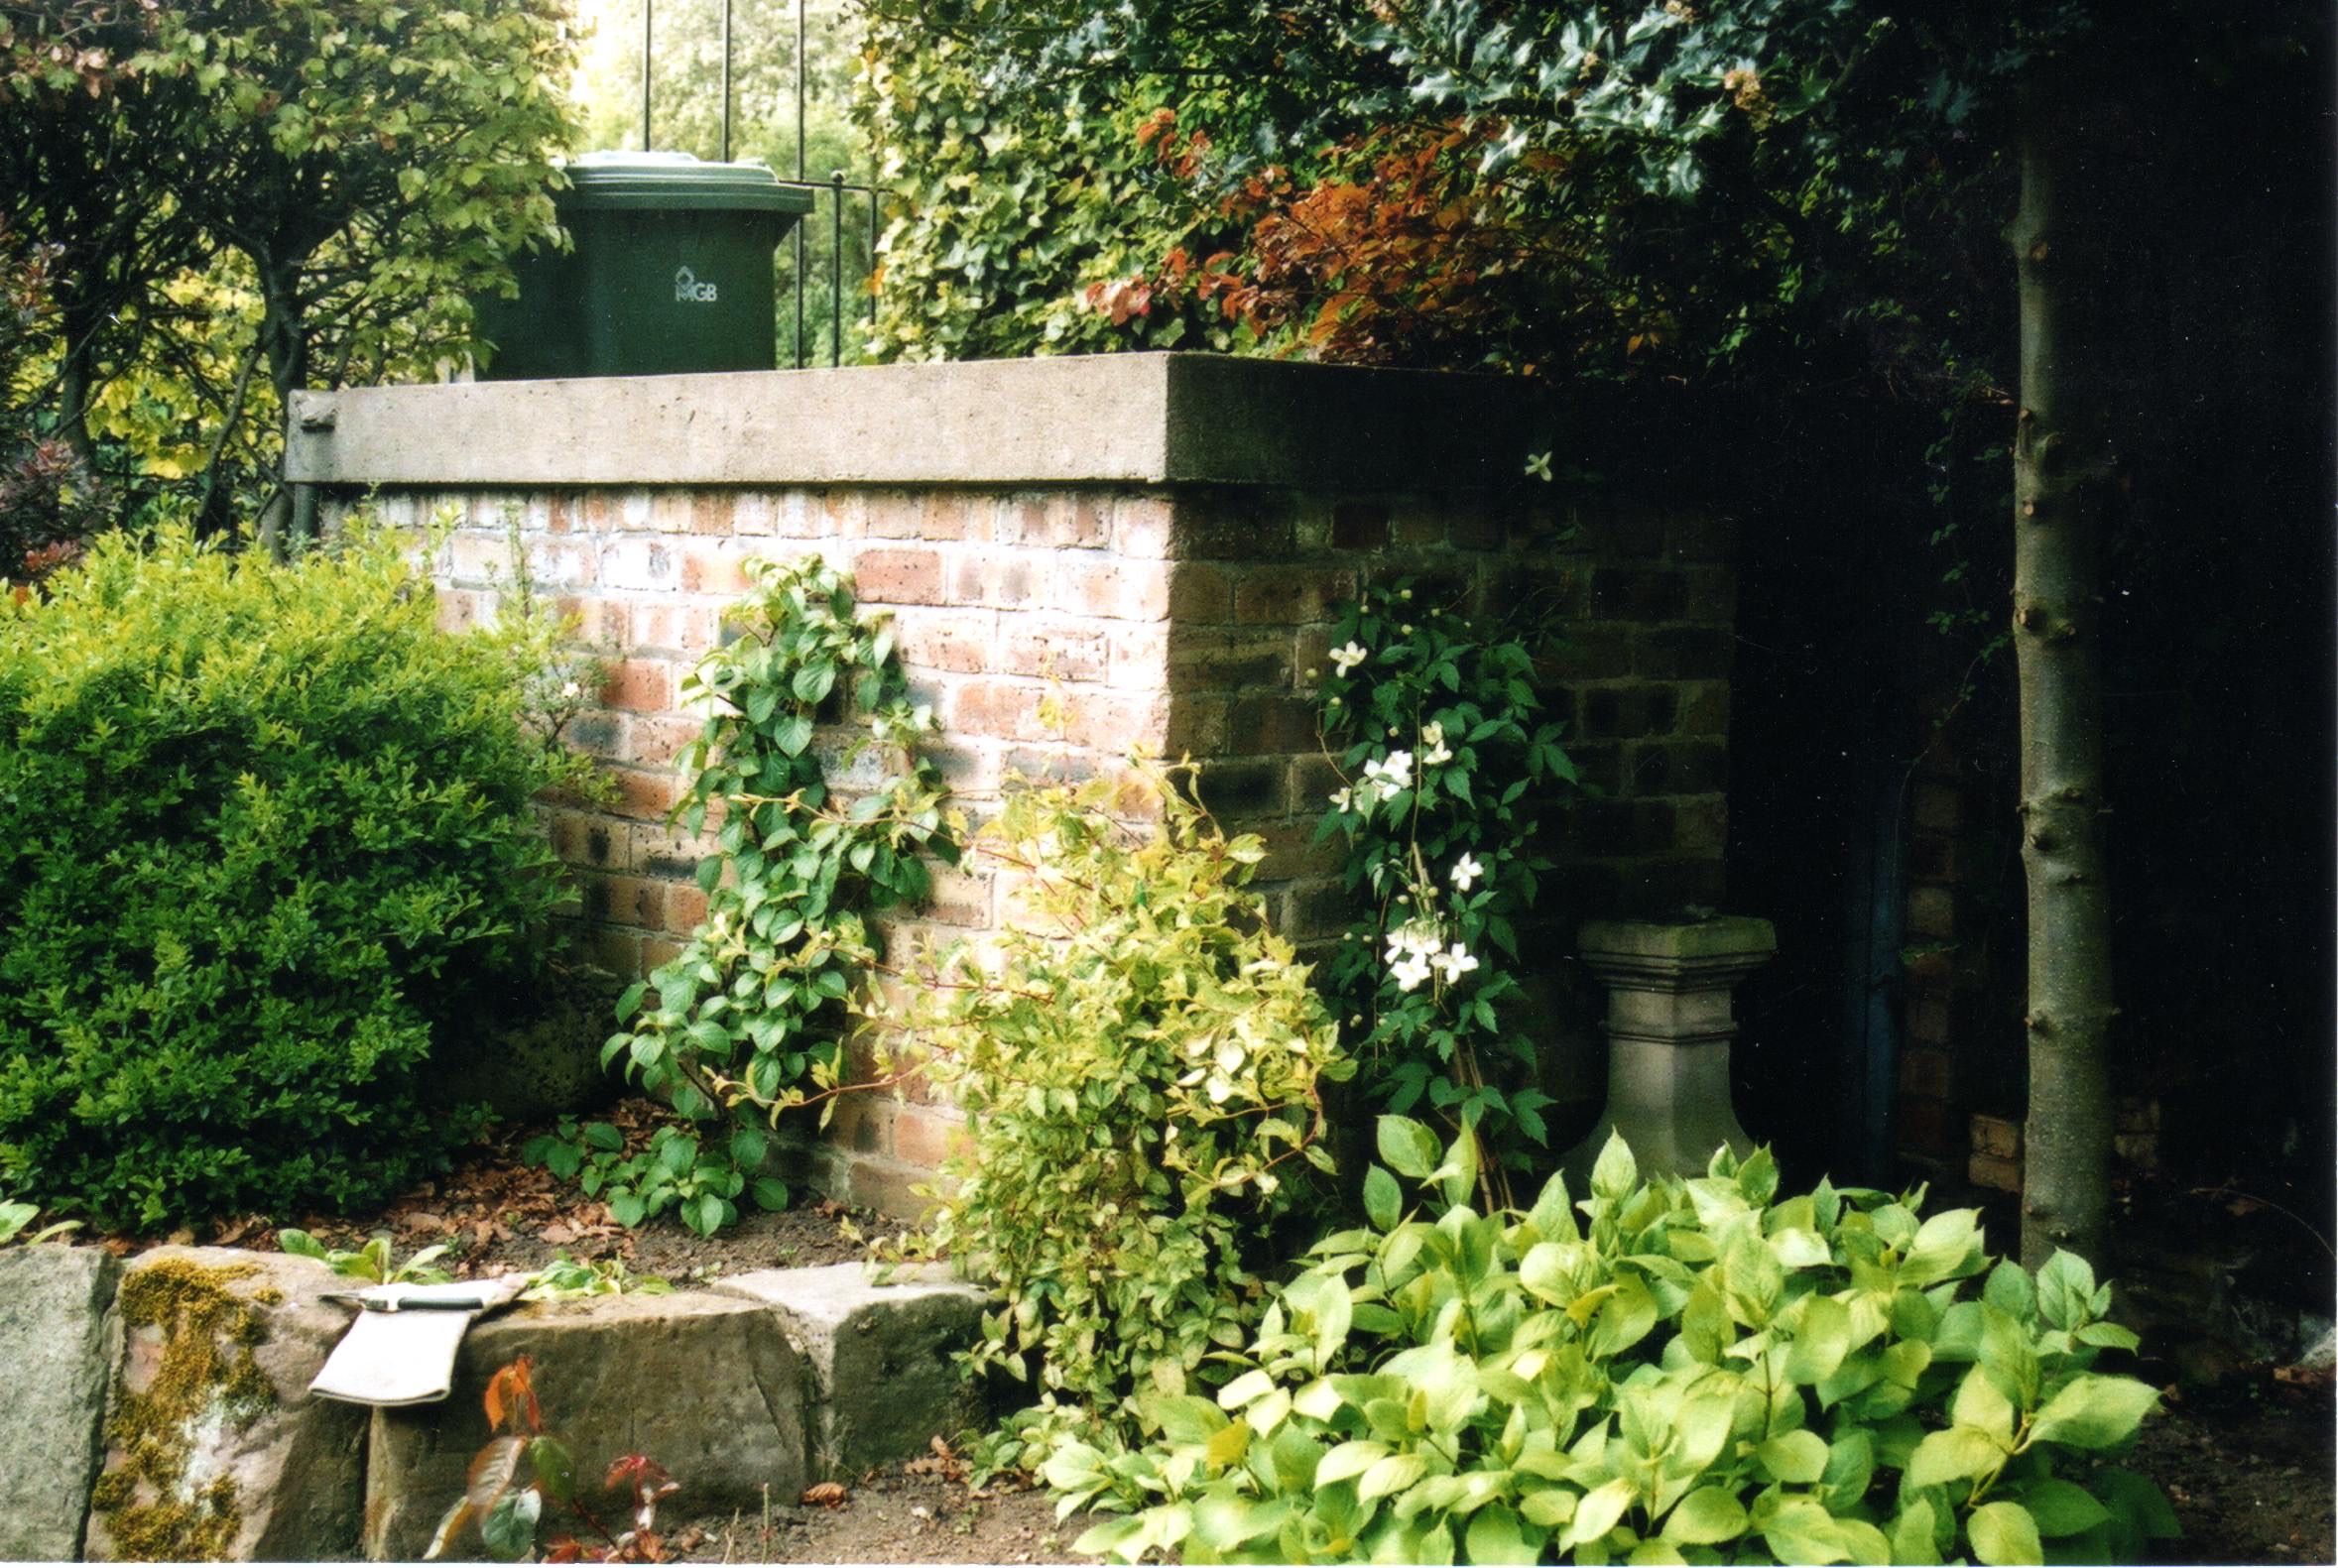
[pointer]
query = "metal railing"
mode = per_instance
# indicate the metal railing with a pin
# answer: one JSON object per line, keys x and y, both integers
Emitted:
{"x": 836, "y": 187}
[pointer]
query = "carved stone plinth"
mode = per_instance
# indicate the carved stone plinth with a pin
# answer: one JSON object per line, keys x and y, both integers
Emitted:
{"x": 1668, "y": 1029}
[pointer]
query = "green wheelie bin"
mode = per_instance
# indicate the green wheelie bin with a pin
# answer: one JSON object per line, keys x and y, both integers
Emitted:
{"x": 670, "y": 271}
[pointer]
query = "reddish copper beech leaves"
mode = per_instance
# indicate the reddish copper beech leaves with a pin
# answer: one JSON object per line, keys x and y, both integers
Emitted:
{"x": 508, "y": 1515}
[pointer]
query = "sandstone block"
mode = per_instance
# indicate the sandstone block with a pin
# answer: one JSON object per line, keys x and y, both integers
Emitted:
{"x": 54, "y": 1306}
{"x": 879, "y": 1356}
{"x": 706, "y": 1385}
{"x": 214, "y": 1449}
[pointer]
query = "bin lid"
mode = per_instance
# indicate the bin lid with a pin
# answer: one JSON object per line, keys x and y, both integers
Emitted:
{"x": 675, "y": 183}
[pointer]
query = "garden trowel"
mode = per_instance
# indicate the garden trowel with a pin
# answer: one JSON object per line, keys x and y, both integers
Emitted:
{"x": 401, "y": 1348}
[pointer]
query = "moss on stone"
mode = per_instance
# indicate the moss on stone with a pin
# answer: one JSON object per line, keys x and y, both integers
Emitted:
{"x": 151, "y": 1511}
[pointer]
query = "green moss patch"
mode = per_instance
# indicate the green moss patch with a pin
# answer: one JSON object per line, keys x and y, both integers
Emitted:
{"x": 152, "y": 1508}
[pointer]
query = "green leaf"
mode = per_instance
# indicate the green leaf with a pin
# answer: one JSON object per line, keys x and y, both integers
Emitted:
{"x": 603, "y": 1137}
{"x": 1953, "y": 1455}
{"x": 1407, "y": 1148}
{"x": 554, "y": 1469}
{"x": 1600, "y": 1510}
{"x": 301, "y": 1245}
{"x": 2004, "y": 1532}
{"x": 2065, "y": 1287}
{"x": 627, "y": 1208}
{"x": 1383, "y": 1202}
{"x": 1348, "y": 1461}
{"x": 1391, "y": 1475}
{"x": 1615, "y": 1172}
{"x": 2062, "y": 1508}
{"x": 1798, "y": 1531}
{"x": 1821, "y": 1341}
{"x": 1795, "y": 1458}
{"x": 1494, "y": 1537}
{"x": 2095, "y": 1411}
{"x": 509, "y": 1530}
{"x": 1707, "y": 1516}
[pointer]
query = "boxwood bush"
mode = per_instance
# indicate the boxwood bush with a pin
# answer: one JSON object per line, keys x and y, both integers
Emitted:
{"x": 265, "y": 832}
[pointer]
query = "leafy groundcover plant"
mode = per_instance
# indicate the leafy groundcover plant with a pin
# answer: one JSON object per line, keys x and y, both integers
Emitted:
{"x": 1670, "y": 1370}
{"x": 266, "y": 837}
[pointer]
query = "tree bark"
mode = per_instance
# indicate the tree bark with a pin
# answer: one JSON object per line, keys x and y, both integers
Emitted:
{"x": 2064, "y": 467}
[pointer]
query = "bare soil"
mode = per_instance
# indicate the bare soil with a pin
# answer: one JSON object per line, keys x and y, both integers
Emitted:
{"x": 922, "y": 1511}
{"x": 2252, "y": 1471}
{"x": 496, "y": 1214}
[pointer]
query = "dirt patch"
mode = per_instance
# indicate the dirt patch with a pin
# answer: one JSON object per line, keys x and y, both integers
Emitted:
{"x": 497, "y": 1214}
{"x": 903, "y": 1513}
{"x": 2250, "y": 1474}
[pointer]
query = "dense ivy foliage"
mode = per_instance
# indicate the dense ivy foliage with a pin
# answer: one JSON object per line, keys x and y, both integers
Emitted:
{"x": 1013, "y": 215}
{"x": 1667, "y": 1370}
{"x": 1140, "y": 1062}
{"x": 265, "y": 837}
{"x": 751, "y": 1012}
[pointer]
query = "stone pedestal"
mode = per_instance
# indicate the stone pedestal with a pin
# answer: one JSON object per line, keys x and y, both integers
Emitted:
{"x": 1668, "y": 1029}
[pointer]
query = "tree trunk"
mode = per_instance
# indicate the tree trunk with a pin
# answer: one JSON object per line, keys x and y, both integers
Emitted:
{"x": 2064, "y": 465}
{"x": 290, "y": 514}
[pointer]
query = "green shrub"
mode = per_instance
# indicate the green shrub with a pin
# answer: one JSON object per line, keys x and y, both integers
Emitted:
{"x": 1699, "y": 1374}
{"x": 1136, "y": 1062}
{"x": 265, "y": 833}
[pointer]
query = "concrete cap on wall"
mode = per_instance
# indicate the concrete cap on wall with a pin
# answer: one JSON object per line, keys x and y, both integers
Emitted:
{"x": 1149, "y": 419}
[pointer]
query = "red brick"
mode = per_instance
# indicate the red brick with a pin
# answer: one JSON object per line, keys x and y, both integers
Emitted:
{"x": 1939, "y": 807}
{"x": 1928, "y": 1019}
{"x": 1925, "y": 1073}
{"x": 752, "y": 514}
{"x": 1996, "y": 1135}
{"x": 959, "y": 898}
{"x": 626, "y": 901}
{"x": 640, "y": 565}
{"x": 1931, "y": 913}
{"x": 1290, "y": 595}
{"x": 1114, "y": 722}
{"x": 1114, "y": 590}
{"x": 643, "y": 796}
{"x": 1057, "y": 521}
{"x": 1475, "y": 528}
{"x": 715, "y": 566}
{"x": 957, "y": 641}
{"x": 617, "y": 951}
{"x": 604, "y": 622}
{"x": 1000, "y": 709}
{"x": 673, "y": 626}
{"x": 1997, "y": 1174}
{"x": 1143, "y": 526}
{"x": 583, "y": 838}
{"x": 713, "y": 513}
{"x": 1359, "y": 525}
{"x": 1293, "y": 853}
{"x": 891, "y": 514}
{"x": 461, "y": 609}
{"x": 656, "y": 742}
{"x": 658, "y": 952}
{"x": 686, "y": 907}
{"x": 1139, "y": 654}
{"x": 955, "y": 516}
{"x": 1056, "y": 650}
{"x": 670, "y": 510}
{"x": 925, "y": 1136}
{"x": 898, "y": 576}
{"x": 1214, "y": 659}
{"x": 1267, "y": 726}
{"x": 1200, "y": 594}
{"x": 1414, "y": 529}
{"x": 862, "y": 1122}
{"x": 639, "y": 685}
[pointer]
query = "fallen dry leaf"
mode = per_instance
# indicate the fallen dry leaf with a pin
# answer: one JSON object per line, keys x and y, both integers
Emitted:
{"x": 827, "y": 1495}
{"x": 559, "y": 1233}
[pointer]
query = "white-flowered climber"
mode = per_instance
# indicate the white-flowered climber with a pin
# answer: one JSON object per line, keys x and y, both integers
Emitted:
{"x": 1432, "y": 745}
{"x": 1466, "y": 871}
{"x": 1392, "y": 773}
{"x": 1454, "y": 962}
{"x": 1414, "y": 951}
{"x": 1349, "y": 656}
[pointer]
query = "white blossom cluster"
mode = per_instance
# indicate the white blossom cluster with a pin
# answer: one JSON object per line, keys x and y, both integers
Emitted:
{"x": 1416, "y": 949}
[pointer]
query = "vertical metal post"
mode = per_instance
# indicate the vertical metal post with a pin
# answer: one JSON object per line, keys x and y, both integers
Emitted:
{"x": 799, "y": 255}
{"x": 646, "y": 4}
{"x": 872, "y": 258}
{"x": 726, "y": 80}
{"x": 836, "y": 268}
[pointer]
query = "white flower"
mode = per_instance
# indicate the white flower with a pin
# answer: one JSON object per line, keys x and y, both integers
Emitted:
{"x": 1392, "y": 773}
{"x": 1340, "y": 799}
{"x": 1538, "y": 466}
{"x": 1432, "y": 741}
{"x": 1468, "y": 870}
{"x": 1348, "y": 658}
{"x": 1455, "y": 962}
{"x": 571, "y": 691}
{"x": 1411, "y": 973}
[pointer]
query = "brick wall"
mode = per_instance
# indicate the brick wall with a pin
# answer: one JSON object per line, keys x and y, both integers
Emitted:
{"x": 1182, "y": 618}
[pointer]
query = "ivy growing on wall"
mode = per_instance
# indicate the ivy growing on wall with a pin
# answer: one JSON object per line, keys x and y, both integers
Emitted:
{"x": 750, "y": 1018}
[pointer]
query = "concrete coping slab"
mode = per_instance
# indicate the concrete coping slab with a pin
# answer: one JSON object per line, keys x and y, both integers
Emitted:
{"x": 1150, "y": 418}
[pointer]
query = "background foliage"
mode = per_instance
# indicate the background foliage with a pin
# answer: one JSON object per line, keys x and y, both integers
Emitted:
{"x": 265, "y": 839}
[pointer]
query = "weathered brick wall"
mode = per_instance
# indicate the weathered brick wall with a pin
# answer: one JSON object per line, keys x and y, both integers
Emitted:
{"x": 1180, "y": 618}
